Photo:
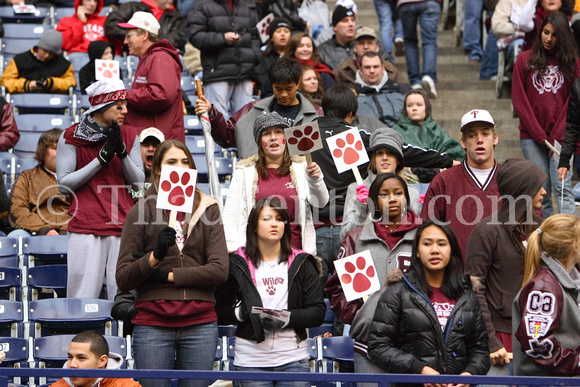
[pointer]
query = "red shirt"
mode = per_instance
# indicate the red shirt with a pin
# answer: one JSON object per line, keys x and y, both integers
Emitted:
{"x": 442, "y": 304}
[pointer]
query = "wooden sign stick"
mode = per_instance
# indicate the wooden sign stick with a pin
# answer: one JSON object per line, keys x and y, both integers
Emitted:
{"x": 172, "y": 218}
{"x": 357, "y": 176}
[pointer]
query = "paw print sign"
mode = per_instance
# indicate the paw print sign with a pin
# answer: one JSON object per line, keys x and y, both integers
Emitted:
{"x": 176, "y": 188}
{"x": 348, "y": 150}
{"x": 106, "y": 69}
{"x": 303, "y": 139}
{"x": 357, "y": 275}
{"x": 263, "y": 27}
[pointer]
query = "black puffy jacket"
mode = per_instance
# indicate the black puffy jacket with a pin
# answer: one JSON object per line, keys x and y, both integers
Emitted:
{"x": 207, "y": 23}
{"x": 405, "y": 333}
{"x": 305, "y": 297}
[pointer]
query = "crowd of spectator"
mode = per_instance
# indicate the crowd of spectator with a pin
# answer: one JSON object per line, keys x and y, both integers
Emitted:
{"x": 451, "y": 263}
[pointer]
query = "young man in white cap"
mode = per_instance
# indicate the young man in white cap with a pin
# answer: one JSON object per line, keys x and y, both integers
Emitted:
{"x": 155, "y": 98}
{"x": 149, "y": 138}
{"x": 463, "y": 195}
{"x": 41, "y": 69}
{"x": 96, "y": 163}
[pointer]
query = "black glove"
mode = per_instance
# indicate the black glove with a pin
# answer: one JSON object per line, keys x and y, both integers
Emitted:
{"x": 270, "y": 324}
{"x": 107, "y": 152}
{"x": 160, "y": 275}
{"x": 165, "y": 240}
{"x": 120, "y": 149}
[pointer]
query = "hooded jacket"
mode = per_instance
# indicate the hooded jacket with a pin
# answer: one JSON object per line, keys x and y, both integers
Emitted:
{"x": 384, "y": 101}
{"x": 114, "y": 363}
{"x": 242, "y": 197}
{"x": 76, "y": 35}
{"x": 207, "y": 23}
{"x": 406, "y": 336}
{"x": 495, "y": 251}
{"x": 155, "y": 98}
{"x": 429, "y": 135}
{"x": 87, "y": 74}
{"x": 305, "y": 296}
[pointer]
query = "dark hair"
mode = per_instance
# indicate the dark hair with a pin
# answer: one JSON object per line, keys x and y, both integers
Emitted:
{"x": 285, "y": 71}
{"x": 252, "y": 250}
{"x": 294, "y": 43}
{"x": 452, "y": 286}
{"x": 567, "y": 7}
{"x": 339, "y": 101}
{"x": 99, "y": 345}
{"x": 319, "y": 91}
{"x": 370, "y": 55}
{"x": 158, "y": 158}
{"x": 376, "y": 187}
{"x": 46, "y": 140}
{"x": 428, "y": 107}
{"x": 565, "y": 48}
{"x": 261, "y": 164}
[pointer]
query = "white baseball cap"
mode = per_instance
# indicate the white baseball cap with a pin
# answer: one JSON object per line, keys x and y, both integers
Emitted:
{"x": 476, "y": 115}
{"x": 151, "y": 132}
{"x": 144, "y": 20}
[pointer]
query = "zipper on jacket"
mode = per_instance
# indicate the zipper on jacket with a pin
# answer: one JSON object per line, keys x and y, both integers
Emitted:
{"x": 181, "y": 263}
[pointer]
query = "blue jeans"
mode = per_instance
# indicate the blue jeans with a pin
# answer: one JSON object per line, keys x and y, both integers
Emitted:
{"x": 489, "y": 62}
{"x": 539, "y": 154}
{"x": 327, "y": 246}
{"x": 185, "y": 348}
{"x": 427, "y": 15}
{"x": 362, "y": 365}
{"x": 228, "y": 97}
{"x": 385, "y": 15}
{"x": 472, "y": 31}
{"x": 297, "y": 366}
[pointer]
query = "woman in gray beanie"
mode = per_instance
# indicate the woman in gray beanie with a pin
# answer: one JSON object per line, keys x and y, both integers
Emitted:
{"x": 272, "y": 172}
{"x": 386, "y": 156}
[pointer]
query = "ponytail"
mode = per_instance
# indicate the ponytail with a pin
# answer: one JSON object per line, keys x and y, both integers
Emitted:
{"x": 533, "y": 252}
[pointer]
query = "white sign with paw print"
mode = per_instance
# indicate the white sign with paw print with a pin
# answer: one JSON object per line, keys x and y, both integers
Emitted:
{"x": 303, "y": 139}
{"x": 347, "y": 150}
{"x": 106, "y": 69}
{"x": 176, "y": 188}
{"x": 357, "y": 275}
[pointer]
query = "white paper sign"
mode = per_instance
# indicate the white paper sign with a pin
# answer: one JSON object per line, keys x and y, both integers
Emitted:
{"x": 176, "y": 188}
{"x": 24, "y": 8}
{"x": 263, "y": 27}
{"x": 347, "y": 150}
{"x": 106, "y": 69}
{"x": 303, "y": 139}
{"x": 274, "y": 314}
{"x": 357, "y": 275}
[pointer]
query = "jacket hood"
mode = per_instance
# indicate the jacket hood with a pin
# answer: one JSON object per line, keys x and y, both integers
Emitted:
{"x": 96, "y": 13}
{"x": 97, "y": 47}
{"x": 241, "y": 251}
{"x": 164, "y": 45}
{"x": 516, "y": 178}
{"x": 405, "y": 120}
{"x": 359, "y": 81}
{"x": 114, "y": 363}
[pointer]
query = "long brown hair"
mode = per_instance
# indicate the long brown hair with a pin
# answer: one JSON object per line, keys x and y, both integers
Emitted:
{"x": 295, "y": 42}
{"x": 319, "y": 91}
{"x": 426, "y": 100}
{"x": 158, "y": 158}
{"x": 564, "y": 50}
{"x": 558, "y": 237}
{"x": 261, "y": 164}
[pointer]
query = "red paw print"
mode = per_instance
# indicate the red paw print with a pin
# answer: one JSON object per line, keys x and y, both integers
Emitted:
{"x": 108, "y": 70}
{"x": 350, "y": 154}
{"x": 266, "y": 26}
{"x": 360, "y": 281}
{"x": 177, "y": 193}
{"x": 271, "y": 290}
{"x": 304, "y": 143}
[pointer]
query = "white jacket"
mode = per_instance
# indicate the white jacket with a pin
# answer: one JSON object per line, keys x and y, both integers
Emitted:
{"x": 242, "y": 197}
{"x": 501, "y": 25}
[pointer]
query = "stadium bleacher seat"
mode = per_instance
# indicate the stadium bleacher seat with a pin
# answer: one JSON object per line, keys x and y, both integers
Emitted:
{"x": 192, "y": 124}
{"x": 336, "y": 351}
{"x": 9, "y": 252}
{"x": 38, "y": 103}
{"x": 45, "y": 249}
{"x": 10, "y": 283}
{"x": 196, "y": 145}
{"x": 25, "y": 31}
{"x": 11, "y": 318}
{"x": 188, "y": 84}
{"x": 41, "y": 15}
{"x": 59, "y": 12}
{"x": 47, "y": 281}
{"x": 26, "y": 145}
{"x": 42, "y": 122}
{"x": 25, "y": 163}
{"x": 16, "y": 351}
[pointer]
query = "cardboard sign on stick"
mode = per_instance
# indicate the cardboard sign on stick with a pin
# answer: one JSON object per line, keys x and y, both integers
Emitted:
{"x": 357, "y": 275}
{"x": 176, "y": 188}
{"x": 348, "y": 152}
{"x": 263, "y": 27}
{"x": 303, "y": 139}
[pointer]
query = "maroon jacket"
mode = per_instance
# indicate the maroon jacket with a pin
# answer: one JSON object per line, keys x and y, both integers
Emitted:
{"x": 155, "y": 98}
{"x": 9, "y": 134}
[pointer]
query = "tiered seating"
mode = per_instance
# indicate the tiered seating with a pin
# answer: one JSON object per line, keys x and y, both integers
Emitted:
{"x": 48, "y": 281}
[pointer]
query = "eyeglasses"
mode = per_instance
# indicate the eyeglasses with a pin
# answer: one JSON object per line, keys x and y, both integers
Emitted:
{"x": 129, "y": 35}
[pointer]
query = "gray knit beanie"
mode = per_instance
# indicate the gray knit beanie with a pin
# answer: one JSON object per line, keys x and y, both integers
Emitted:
{"x": 51, "y": 42}
{"x": 390, "y": 139}
{"x": 265, "y": 121}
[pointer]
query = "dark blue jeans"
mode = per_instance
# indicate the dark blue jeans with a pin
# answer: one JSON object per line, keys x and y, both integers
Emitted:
{"x": 297, "y": 366}
{"x": 327, "y": 246}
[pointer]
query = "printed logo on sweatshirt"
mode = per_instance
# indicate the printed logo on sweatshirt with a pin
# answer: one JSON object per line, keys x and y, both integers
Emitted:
{"x": 270, "y": 284}
{"x": 93, "y": 31}
{"x": 549, "y": 82}
{"x": 141, "y": 79}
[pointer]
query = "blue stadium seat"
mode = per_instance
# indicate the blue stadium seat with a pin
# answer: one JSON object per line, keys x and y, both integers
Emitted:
{"x": 42, "y": 122}
{"x": 45, "y": 249}
{"x": 48, "y": 281}
{"x": 26, "y": 145}
{"x": 327, "y": 326}
{"x": 196, "y": 145}
{"x": 24, "y": 164}
{"x": 192, "y": 124}
{"x": 39, "y": 103}
{"x": 8, "y": 163}
{"x": 132, "y": 64}
{"x": 312, "y": 347}
{"x": 71, "y": 315}
{"x": 336, "y": 351}
{"x": 188, "y": 85}
{"x": 8, "y": 252}
{"x": 60, "y": 12}
{"x": 78, "y": 60}
{"x": 40, "y": 16}
{"x": 11, "y": 318}
{"x": 12, "y": 47}
{"x": 16, "y": 351}
{"x": 25, "y": 31}
{"x": 10, "y": 284}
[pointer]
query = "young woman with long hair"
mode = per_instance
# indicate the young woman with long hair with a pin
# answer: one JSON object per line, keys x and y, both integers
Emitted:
{"x": 546, "y": 314}
{"x": 428, "y": 320}
{"x": 267, "y": 272}
{"x": 540, "y": 92}
{"x": 531, "y": 18}
{"x": 174, "y": 271}
{"x": 311, "y": 85}
{"x": 302, "y": 49}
